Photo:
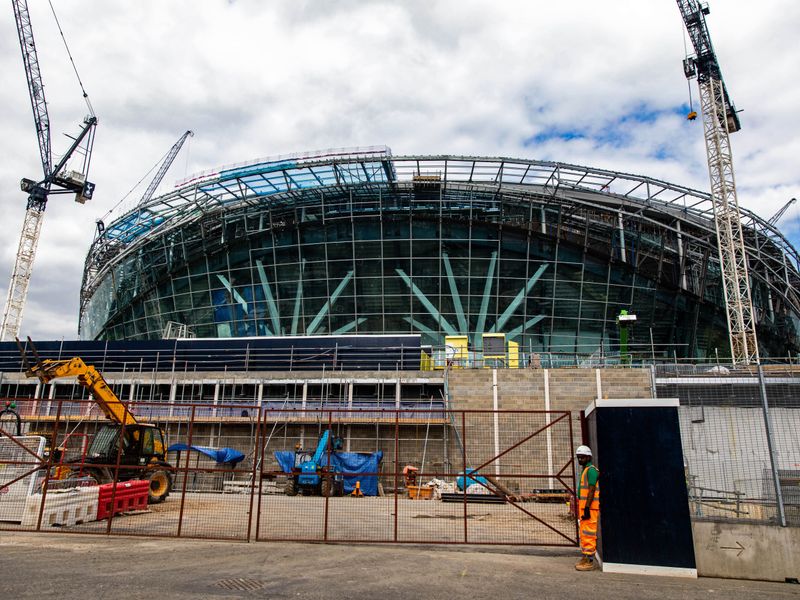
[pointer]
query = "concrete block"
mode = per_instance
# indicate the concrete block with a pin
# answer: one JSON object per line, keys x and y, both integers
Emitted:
{"x": 747, "y": 551}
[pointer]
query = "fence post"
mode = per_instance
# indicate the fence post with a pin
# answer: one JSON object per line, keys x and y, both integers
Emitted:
{"x": 771, "y": 447}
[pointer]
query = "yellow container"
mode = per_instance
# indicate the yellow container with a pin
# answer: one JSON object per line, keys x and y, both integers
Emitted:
{"x": 416, "y": 492}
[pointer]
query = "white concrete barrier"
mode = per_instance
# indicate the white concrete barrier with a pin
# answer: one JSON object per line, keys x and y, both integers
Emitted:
{"x": 62, "y": 507}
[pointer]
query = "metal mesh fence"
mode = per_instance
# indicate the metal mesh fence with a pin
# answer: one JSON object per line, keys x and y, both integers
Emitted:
{"x": 739, "y": 429}
{"x": 241, "y": 472}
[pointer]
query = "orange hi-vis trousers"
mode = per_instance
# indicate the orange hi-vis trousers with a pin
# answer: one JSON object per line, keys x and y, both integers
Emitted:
{"x": 588, "y": 531}
{"x": 588, "y": 527}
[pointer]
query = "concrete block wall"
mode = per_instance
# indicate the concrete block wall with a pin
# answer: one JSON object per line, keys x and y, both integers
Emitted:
{"x": 524, "y": 389}
{"x": 534, "y": 389}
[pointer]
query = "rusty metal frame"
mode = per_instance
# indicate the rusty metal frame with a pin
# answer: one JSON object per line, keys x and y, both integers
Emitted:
{"x": 568, "y": 482}
{"x": 510, "y": 500}
{"x": 38, "y": 462}
{"x": 388, "y": 419}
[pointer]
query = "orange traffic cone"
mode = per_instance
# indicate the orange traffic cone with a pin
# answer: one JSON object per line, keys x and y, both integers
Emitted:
{"x": 357, "y": 490}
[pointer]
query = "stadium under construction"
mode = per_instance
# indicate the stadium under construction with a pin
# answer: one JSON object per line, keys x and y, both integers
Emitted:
{"x": 363, "y": 242}
{"x": 418, "y": 312}
{"x": 351, "y": 346}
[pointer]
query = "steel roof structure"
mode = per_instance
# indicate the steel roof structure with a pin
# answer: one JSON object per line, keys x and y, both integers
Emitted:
{"x": 263, "y": 182}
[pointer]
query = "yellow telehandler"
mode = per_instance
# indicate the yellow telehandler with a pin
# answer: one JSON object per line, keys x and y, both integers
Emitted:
{"x": 141, "y": 446}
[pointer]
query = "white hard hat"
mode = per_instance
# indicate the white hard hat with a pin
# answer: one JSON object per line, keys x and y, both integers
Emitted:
{"x": 583, "y": 451}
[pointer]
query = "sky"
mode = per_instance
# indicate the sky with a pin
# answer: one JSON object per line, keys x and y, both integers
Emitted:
{"x": 587, "y": 82}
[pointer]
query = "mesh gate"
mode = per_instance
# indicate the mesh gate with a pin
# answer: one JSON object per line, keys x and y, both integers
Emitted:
{"x": 404, "y": 476}
{"x": 475, "y": 477}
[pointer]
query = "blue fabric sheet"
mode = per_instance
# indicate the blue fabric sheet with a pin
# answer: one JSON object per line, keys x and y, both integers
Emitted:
{"x": 470, "y": 480}
{"x": 226, "y": 456}
{"x": 351, "y": 463}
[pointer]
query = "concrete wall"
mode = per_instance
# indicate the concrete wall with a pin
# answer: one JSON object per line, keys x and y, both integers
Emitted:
{"x": 746, "y": 551}
{"x": 508, "y": 435}
{"x": 524, "y": 389}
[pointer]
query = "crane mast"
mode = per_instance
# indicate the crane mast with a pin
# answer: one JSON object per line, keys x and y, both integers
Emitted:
{"x": 21, "y": 275}
{"x": 54, "y": 179}
{"x": 719, "y": 121}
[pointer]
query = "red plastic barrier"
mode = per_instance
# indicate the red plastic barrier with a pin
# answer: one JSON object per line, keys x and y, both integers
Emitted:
{"x": 130, "y": 495}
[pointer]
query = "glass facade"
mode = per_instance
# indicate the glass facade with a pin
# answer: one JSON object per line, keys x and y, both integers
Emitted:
{"x": 403, "y": 247}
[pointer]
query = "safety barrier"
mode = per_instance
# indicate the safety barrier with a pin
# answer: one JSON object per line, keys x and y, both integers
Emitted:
{"x": 128, "y": 496}
{"x": 62, "y": 507}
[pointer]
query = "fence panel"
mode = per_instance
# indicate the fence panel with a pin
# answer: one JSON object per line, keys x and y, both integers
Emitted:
{"x": 740, "y": 441}
{"x": 415, "y": 493}
{"x": 209, "y": 498}
{"x": 386, "y": 475}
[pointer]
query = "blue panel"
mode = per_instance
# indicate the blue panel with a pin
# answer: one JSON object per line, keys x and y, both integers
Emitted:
{"x": 133, "y": 225}
{"x": 255, "y": 169}
{"x": 222, "y": 310}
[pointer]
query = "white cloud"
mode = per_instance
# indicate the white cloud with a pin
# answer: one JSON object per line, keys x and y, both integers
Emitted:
{"x": 254, "y": 79}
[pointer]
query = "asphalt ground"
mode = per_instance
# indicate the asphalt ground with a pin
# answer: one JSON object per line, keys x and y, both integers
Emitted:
{"x": 56, "y": 565}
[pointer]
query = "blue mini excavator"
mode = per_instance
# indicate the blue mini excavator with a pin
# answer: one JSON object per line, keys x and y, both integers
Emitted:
{"x": 315, "y": 474}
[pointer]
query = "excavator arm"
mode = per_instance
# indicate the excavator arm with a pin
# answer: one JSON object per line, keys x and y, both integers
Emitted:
{"x": 46, "y": 370}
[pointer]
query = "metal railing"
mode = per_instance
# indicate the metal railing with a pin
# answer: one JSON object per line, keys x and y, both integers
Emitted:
{"x": 739, "y": 430}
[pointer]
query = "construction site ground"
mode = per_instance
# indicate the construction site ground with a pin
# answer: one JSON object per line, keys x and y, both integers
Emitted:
{"x": 372, "y": 519}
{"x": 58, "y": 565}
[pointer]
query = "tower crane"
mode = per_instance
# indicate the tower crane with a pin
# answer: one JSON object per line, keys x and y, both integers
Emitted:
{"x": 173, "y": 152}
{"x": 719, "y": 121}
{"x": 773, "y": 220}
{"x": 159, "y": 176}
{"x": 93, "y": 265}
{"x": 55, "y": 179}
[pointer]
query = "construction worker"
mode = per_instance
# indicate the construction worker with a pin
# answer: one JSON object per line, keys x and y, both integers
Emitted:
{"x": 588, "y": 507}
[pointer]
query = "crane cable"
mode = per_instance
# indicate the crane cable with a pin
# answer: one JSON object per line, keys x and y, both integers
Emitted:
{"x": 74, "y": 67}
{"x": 153, "y": 168}
{"x": 688, "y": 81}
{"x": 136, "y": 185}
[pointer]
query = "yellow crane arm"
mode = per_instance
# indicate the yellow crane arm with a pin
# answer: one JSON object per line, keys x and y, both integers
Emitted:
{"x": 88, "y": 377}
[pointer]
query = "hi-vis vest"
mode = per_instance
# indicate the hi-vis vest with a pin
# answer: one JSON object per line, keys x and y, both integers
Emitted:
{"x": 585, "y": 489}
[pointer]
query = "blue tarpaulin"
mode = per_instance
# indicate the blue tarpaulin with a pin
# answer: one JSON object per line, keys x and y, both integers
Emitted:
{"x": 351, "y": 463}
{"x": 227, "y": 456}
{"x": 472, "y": 479}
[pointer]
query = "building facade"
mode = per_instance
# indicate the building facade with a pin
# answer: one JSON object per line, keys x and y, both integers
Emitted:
{"x": 360, "y": 241}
